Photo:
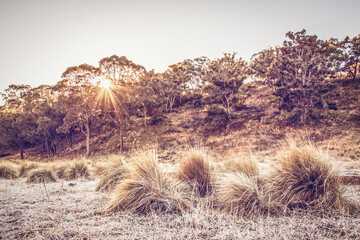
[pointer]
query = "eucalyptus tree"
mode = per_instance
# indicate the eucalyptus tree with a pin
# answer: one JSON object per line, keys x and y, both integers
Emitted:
{"x": 47, "y": 118}
{"x": 17, "y": 123}
{"x": 222, "y": 79}
{"x": 263, "y": 67}
{"x": 350, "y": 56}
{"x": 175, "y": 81}
{"x": 145, "y": 94}
{"x": 297, "y": 71}
{"x": 118, "y": 97}
{"x": 82, "y": 92}
{"x": 12, "y": 130}
{"x": 120, "y": 70}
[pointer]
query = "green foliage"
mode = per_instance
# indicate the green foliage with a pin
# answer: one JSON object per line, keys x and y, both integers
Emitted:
{"x": 216, "y": 116}
{"x": 350, "y": 56}
{"x": 297, "y": 71}
{"x": 223, "y": 78}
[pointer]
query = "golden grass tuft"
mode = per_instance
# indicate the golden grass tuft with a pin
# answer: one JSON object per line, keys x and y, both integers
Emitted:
{"x": 60, "y": 170}
{"x": 240, "y": 194}
{"x": 147, "y": 189}
{"x": 26, "y": 167}
{"x": 103, "y": 167}
{"x": 305, "y": 179}
{"x": 244, "y": 164}
{"x": 9, "y": 170}
{"x": 116, "y": 172}
{"x": 77, "y": 169}
{"x": 195, "y": 169}
{"x": 42, "y": 174}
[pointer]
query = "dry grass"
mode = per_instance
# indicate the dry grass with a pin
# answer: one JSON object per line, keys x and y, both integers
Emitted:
{"x": 103, "y": 166}
{"x": 195, "y": 169}
{"x": 9, "y": 170}
{"x": 60, "y": 170}
{"x": 304, "y": 178}
{"x": 147, "y": 189}
{"x": 111, "y": 176}
{"x": 71, "y": 212}
{"x": 242, "y": 164}
{"x": 241, "y": 194}
{"x": 41, "y": 174}
{"x": 26, "y": 167}
{"x": 77, "y": 169}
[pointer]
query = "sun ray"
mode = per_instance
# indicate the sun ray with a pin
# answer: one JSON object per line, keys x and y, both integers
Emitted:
{"x": 107, "y": 96}
{"x": 105, "y": 83}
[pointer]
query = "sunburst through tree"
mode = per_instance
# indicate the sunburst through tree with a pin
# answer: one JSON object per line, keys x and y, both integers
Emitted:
{"x": 111, "y": 98}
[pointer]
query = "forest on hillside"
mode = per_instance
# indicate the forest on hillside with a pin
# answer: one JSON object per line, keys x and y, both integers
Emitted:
{"x": 92, "y": 100}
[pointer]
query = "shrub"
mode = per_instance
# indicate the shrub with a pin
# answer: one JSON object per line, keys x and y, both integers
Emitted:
{"x": 216, "y": 115}
{"x": 147, "y": 189}
{"x": 305, "y": 179}
{"x": 195, "y": 169}
{"x": 41, "y": 174}
{"x": 9, "y": 170}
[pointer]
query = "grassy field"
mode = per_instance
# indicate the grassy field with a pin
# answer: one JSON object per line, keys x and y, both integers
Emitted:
{"x": 197, "y": 197}
{"x": 73, "y": 210}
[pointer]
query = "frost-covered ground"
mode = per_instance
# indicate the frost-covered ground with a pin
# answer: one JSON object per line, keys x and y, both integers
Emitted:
{"x": 73, "y": 210}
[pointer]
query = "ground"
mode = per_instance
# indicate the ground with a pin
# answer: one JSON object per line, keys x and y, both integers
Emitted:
{"x": 74, "y": 210}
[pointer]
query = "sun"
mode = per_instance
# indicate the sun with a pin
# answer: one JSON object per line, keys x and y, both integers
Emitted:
{"x": 105, "y": 84}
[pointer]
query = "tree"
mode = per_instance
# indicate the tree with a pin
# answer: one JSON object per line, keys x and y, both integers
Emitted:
{"x": 82, "y": 80}
{"x": 222, "y": 79}
{"x": 19, "y": 127}
{"x": 64, "y": 105}
{"x": 120, "y": 70}
{"x": 262, "y": 65}
{"x": 175, "y": 81}
{"x": 145, "y": 96}
{"x": 297, "y": 71}
{"x": 123, "y": 75}
{"x": 11, "y": 134}
{"x": 350, "y": 56}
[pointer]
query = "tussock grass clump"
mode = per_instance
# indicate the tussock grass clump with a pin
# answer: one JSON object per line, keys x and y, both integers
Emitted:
{"x": 26, "y": 167}
{"x": 240, "y": 194}
{"x": 245, "y": 165}
{"x": 305, "y": 179}
{"x": 147, "y": 189}
{"x": 60, "y": 170}
{"x": 195, "y": 169}
{"x": 9, "y": 170}
{"x": 103, "y": 167}
{"x": 113, "y": 176}
{"x": 41, "y": 174}
{"x": 77, "y": 169}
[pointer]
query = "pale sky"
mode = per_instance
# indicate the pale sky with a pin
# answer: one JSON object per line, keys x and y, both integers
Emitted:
{"x": 39, "y": 39}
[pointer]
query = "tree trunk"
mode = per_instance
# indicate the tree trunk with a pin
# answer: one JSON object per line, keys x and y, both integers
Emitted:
{"x": 121, "y": 140}
{"x": 69, "y": 137}
{"x": 21, "y": 152}
{"x": 145, "y": 115}
{"x": 304, "y": 113}
{"x": 87, "y": 139}
{"x": 47, "y": 148}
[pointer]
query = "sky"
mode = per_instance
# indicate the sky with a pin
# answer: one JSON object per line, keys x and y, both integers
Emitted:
{"x": 39, "y": 39}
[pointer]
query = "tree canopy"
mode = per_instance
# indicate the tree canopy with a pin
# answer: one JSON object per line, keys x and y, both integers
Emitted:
{"x": 111, "y": 98}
